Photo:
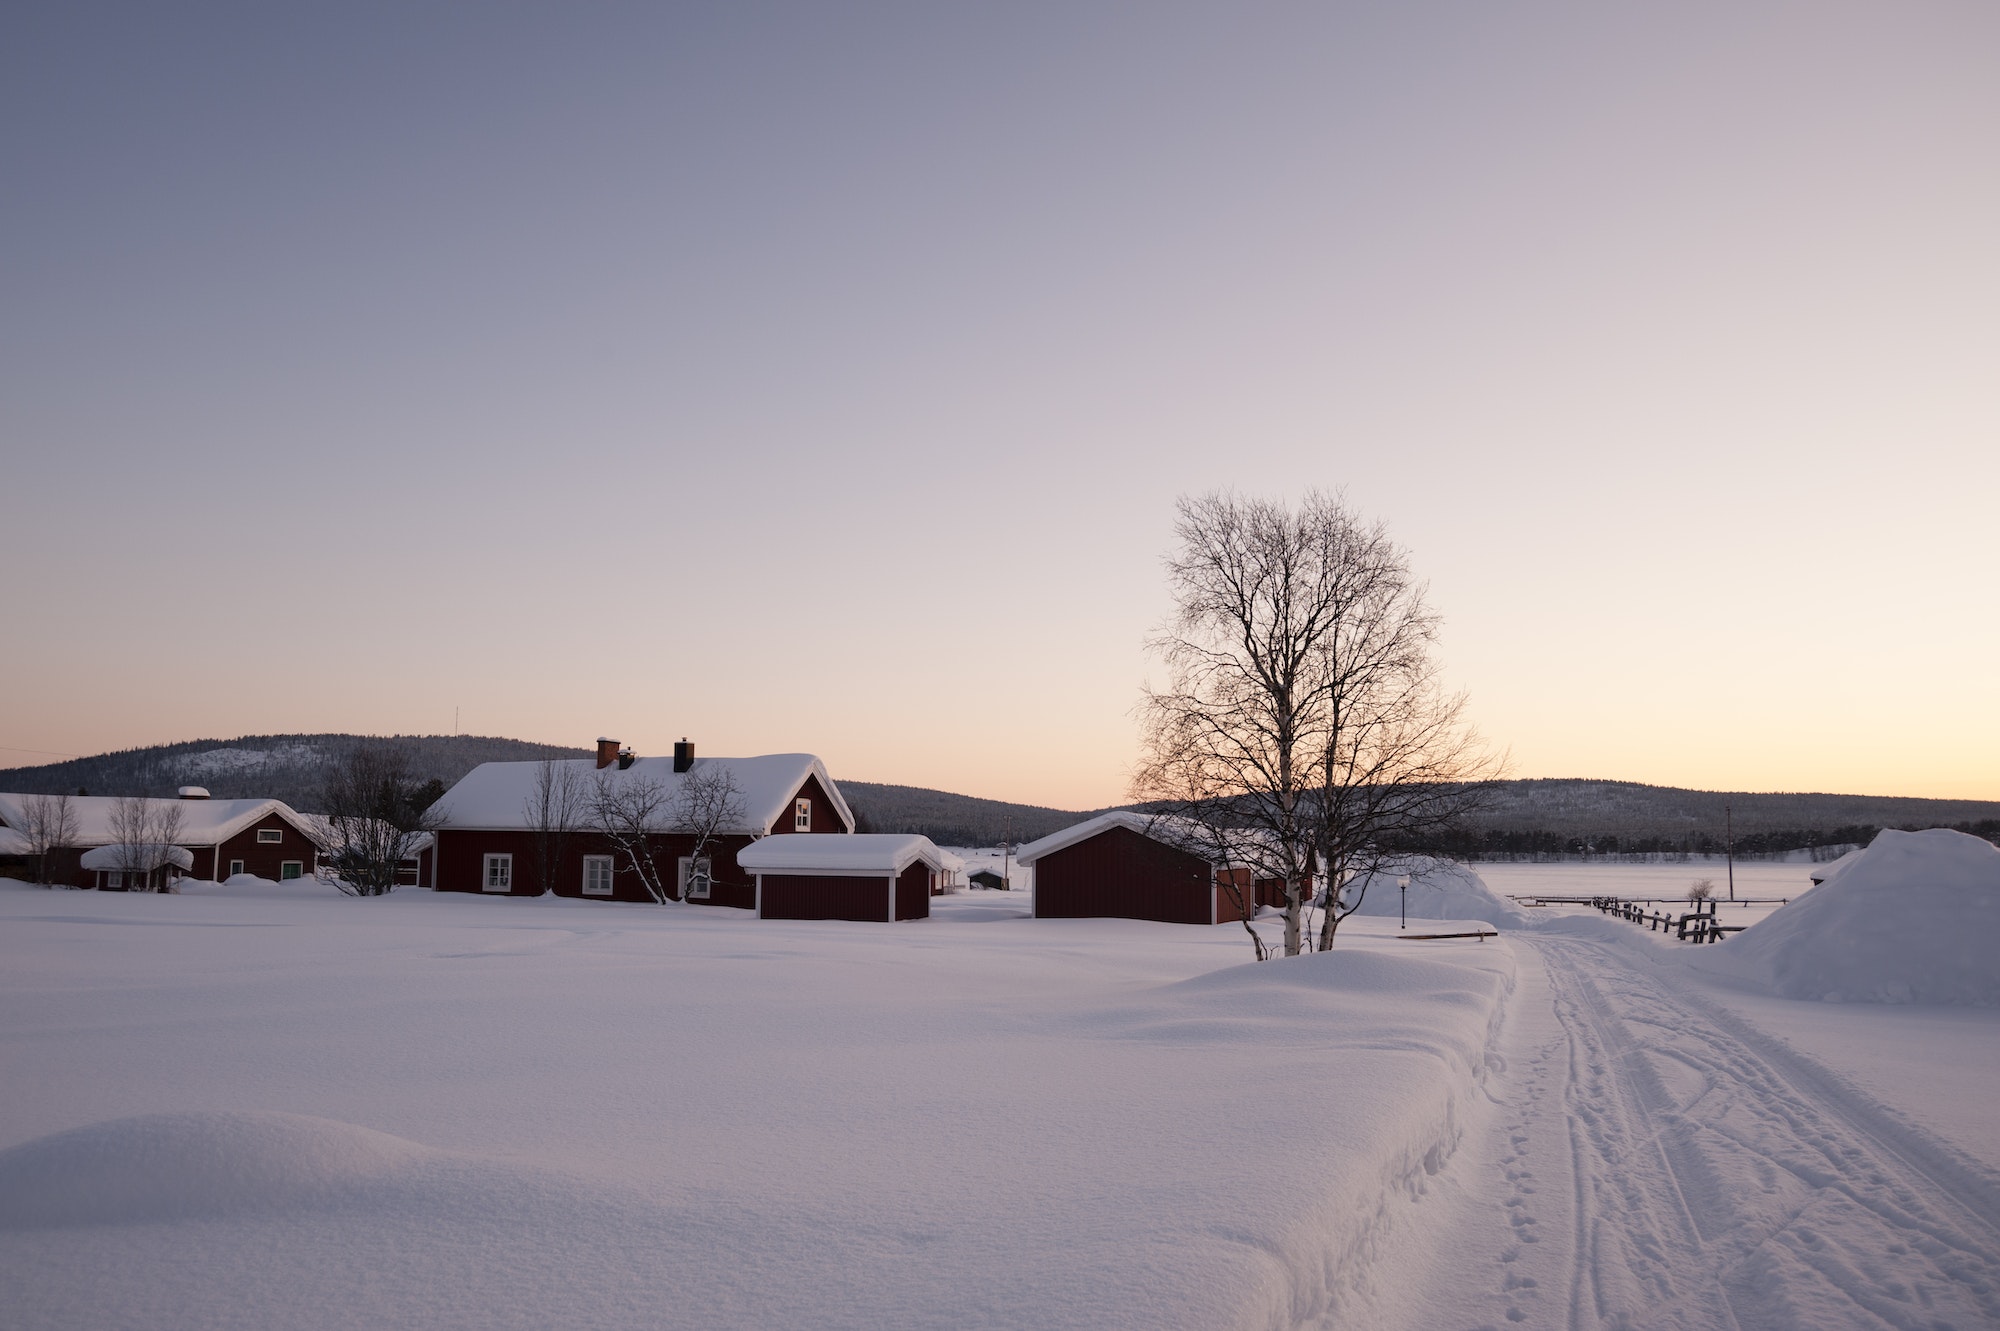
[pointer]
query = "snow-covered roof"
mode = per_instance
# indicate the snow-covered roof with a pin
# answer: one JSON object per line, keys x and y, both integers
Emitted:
{"x": 13, "y": 843}
{"x": 115, "y": 857}
{"x": 1245, "y": 845}
{"x": 1143, "y": 824}
{"x": 494, "y": 796}
{"x": 320, "y": 828}
{"x": 864, "y": 854}
{"x": 203, "y": 822}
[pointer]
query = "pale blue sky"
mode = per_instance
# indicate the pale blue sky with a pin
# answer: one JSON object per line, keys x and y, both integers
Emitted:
{"x": 822, "y": 377}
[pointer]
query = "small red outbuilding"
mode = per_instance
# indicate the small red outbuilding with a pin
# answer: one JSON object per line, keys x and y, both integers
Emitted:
{"x": 1113, "y": 865}
{"x": 862, "y": 876}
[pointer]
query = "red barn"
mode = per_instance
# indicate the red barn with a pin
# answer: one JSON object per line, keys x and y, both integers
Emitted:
{"x": 1112, "y": 865}
{"x": 493, "y": 839}
{"x": 871, "y": 876}
{"x": 265, "y": 838}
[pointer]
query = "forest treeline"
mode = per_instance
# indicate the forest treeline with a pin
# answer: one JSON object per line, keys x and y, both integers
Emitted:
{"x": 1500, "y": 843}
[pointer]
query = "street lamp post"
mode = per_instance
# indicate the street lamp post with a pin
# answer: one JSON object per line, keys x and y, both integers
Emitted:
{"x": 1403, "y": 896}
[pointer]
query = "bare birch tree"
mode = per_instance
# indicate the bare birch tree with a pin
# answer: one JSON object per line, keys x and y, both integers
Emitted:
{"x": 555, "y": 809}
{"x": 51, "y": 826}
{"x": 144, "y": 832}
{"x": 377, "y": 815}
{"x": 628, "y": 810}
{"x": 1302, "y": 723}
{"x": 706, "y": 804}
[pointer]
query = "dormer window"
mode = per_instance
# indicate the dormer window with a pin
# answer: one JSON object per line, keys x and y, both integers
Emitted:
{"x": 802, "y": 815}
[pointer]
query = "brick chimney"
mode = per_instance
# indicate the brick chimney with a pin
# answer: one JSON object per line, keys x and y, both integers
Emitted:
{"x": 683, "y": 755}
{"x": 607, "y": 751}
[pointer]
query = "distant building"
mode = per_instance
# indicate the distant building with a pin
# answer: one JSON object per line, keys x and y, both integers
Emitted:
{"x": 223, "y": 838}
{"x": 488, "y": 841}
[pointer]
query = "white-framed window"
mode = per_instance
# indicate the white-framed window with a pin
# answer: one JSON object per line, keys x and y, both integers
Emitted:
{"x": 597, "y": 875}
{"x": 499, "y": 876}
{"x": 291, "y": 869}
{"x": 115, "y": 878}
{"x": 695, "y": 878}
{"x": 270, "y": 836}
{"x": 802, "y": 815}
{"x": 235, "y": 867}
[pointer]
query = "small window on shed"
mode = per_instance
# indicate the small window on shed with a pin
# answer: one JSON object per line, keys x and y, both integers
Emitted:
{"x": 291, "y": 869}
{"x": 597, "y": 875}
{"x": 499, "y": 874}
{"x": 270, "y": 836}
{"x": 802, "y": 815}
{"x": 235, "y": 867}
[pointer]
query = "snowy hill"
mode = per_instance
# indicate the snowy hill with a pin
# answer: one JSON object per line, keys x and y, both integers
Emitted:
{"x": 285, "y": 767}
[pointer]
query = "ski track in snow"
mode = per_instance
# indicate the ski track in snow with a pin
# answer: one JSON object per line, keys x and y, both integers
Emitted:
{"x": 1656, "y": 1162}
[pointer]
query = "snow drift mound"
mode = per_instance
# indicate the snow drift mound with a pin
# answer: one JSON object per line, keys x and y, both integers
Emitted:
{"x": 191, "y": 1165}
{"x": 1439, "y": 890}
{"x": 1915, "y": 918}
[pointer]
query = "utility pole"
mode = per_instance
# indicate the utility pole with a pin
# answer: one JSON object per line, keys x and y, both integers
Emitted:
{"x": 1729, "y": 846}
{"x": 1006, "y": 852}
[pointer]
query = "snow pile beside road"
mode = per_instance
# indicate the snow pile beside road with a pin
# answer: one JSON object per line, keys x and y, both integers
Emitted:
{"x": 158, "y": 1167}
{"x": 1913, "y": 919}
{"x": 1439, "y": 890}
{"x": 541, "y": 1112}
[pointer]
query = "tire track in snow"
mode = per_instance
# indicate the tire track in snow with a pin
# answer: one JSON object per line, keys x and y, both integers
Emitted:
{"x": 1719, "y": 1181}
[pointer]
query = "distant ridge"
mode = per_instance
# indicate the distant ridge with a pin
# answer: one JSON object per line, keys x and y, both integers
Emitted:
{"x": 1558, "y": 815}
{"x": 950, "y": 820}
{"x": 1548, "y": 816}
{"x": 286, "y": 767}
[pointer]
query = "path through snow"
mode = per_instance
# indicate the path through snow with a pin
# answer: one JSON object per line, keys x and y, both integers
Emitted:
{"x": 1648, "y": 1160}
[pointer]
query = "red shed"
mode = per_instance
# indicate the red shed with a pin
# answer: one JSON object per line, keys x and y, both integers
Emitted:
{"x": 1112, "y": 865}
{"x": 867, "y": 876}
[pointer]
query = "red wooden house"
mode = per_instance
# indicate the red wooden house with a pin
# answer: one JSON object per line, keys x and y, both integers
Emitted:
{"x": 1117, "y": 865}
{"x": 265, "y": 838}
{"x": 491, "y": 840}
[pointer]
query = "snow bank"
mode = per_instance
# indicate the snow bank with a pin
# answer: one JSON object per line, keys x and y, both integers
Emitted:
{"x": 1439, "y": 890}
{"x": 189, "y": 1166}
{"x": 634, "y": 1118}
{"x": 1913, "y": 919}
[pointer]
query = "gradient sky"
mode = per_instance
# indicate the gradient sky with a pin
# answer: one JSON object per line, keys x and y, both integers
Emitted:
{"x": 823, "y": 376}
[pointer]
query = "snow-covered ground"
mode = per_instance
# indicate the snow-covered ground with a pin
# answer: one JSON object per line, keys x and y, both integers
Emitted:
{"x": 265, "y": 1106}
